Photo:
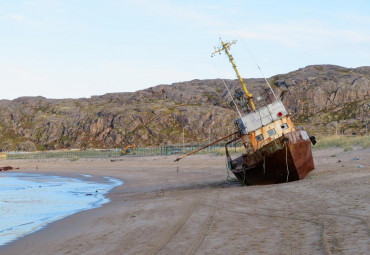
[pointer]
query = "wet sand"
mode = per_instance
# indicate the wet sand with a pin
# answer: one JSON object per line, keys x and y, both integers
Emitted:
{"x": 196, "y": 211}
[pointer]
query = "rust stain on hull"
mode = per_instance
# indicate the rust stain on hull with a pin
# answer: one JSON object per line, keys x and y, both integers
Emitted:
{"x": 288, "y": 158}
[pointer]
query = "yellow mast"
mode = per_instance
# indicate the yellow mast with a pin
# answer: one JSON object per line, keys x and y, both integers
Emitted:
{"x": 226, "y": 47}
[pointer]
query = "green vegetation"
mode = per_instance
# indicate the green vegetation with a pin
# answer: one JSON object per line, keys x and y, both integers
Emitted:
{"x": 272, "y": 81}
{"x": 345, "y": 71}
{"x": 75, "y": 158}
{"x": 210, "y": 96}
{"x": 349, "y": 118}
{"x": 238, "y": 150}
{"x": 345, "y": 142}
{"x": 348, "y": 149}
{"x": 41, "y": 147}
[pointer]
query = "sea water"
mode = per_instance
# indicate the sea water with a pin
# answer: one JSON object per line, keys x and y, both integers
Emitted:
{"x": 28, "y": 202}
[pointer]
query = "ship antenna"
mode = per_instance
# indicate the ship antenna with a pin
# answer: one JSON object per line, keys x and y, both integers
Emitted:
{"x": 255, "y": 61}
{"x": 225, "y": 46}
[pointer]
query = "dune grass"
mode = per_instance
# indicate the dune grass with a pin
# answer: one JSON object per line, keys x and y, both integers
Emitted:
{"x": 238, "y": 150}
{"x": 345, "y": 142}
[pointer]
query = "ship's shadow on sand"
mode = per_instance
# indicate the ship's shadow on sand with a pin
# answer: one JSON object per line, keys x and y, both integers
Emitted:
{"x": 201, "y": 186}
{"x": 175, "y": 190}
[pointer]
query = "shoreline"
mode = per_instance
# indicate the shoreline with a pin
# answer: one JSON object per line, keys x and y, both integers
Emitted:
{"x": 96, "y": 188}
{"x": 200, "y": 212}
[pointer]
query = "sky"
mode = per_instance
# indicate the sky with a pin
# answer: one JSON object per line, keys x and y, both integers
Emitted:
{"x": 80, "y": 48}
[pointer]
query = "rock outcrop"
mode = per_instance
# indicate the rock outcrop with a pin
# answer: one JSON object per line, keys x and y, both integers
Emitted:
{"x": 317, "y": 96}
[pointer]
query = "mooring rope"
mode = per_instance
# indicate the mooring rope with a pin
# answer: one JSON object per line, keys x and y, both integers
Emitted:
{"x": 286, "y": 161}
{"x": 232, "y": 98}
{"x": 228, "y": 178}
{"x": 244, "y": 176}
{"x": 228, "y": 90}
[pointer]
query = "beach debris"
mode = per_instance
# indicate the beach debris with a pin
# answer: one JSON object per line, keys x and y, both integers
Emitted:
{"x": 333, "y": 156}
{"x": 339, "y": 161}
{"x": 159, "y": 192}
{"x": 7, "y": 168}
{"x": 114, "y": 160}
{"x": 356, "y": 159}
{"x": 360, "y": 166}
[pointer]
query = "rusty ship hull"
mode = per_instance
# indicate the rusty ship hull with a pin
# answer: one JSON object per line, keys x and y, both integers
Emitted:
{"x": 286, "y": 159}
{"x": 276, "y": 151}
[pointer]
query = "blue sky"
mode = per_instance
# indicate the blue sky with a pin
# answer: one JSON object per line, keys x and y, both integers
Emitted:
{"x": 79, "y": 48}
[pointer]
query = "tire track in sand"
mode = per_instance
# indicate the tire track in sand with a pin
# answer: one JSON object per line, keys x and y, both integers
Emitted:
{"x": 311, "y": 213}
{"x": 176, "y": 228}
{"x": 329, "y": 242}
{"x": 206, "y": 225}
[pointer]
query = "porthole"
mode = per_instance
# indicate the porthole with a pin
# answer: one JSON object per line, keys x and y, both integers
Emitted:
{"x": 271, "y": 132}
{"x": 259, "y": 138}
{"x": 284, "y": 126}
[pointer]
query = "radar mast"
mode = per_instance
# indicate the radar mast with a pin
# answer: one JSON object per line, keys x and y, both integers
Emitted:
{"x": 225, "y": 46}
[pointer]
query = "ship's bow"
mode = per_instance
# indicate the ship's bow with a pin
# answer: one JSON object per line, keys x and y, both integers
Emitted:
{"x": 286, "y": 159}
{"x": 299, "y": 147}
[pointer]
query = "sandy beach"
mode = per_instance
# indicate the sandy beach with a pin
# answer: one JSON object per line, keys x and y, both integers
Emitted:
{"x": 159, "y": 210}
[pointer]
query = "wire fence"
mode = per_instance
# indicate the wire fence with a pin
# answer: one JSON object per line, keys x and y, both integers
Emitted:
{"x": 110, "y": 153}
{"x": 234, "y": 149}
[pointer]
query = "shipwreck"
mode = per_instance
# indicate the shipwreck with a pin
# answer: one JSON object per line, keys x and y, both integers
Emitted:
{"x": 276, "y": 150}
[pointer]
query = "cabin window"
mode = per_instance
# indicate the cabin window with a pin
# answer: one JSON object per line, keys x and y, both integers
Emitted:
{"x": 271, "y": 132}
{"x": 259, "y": 137}
{"x": 284, "y": 126}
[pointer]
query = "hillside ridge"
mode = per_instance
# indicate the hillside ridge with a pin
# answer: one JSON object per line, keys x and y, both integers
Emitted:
{"x": 316, "y": 95}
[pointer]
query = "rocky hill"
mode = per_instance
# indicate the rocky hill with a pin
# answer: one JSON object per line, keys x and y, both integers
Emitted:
{"x": 317, "y": 96}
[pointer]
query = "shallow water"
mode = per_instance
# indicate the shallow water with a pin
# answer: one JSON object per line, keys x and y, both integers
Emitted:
{"x": 28, "y": 202}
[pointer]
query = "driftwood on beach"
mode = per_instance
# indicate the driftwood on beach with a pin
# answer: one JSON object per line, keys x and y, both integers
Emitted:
{"x": 7, "y": 168}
